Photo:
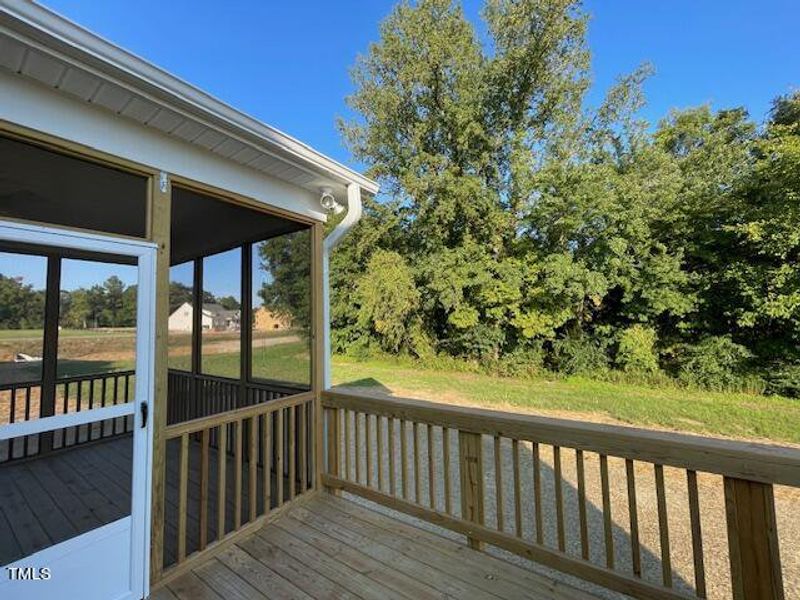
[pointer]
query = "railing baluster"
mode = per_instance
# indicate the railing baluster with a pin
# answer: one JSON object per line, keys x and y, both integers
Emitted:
{"x": 517, "y": 488}
{"x": 636, "y": 559}
{"x": 252, "y": 472}
{"x": 368, "y": 447}
{"x": 431, "y": 469}
{"x": 204, "y": 488}
{"x": 266, "y": 449}
{"x": 381, "y": 452}
{"x": 183, "y": 486}
{"x": 417, "y": 472}
{"x": 448, "y": 502}
{"x": 347, "y": 444}
{"x": 697, "y": 534}
{"x": 279, "y": 458}
{"x": 292, "y": 450}
{"x": 222, "y": 479}
{"x": 66, "y": 409}
{"x": 357, "y": 449}
{"x": 391, "y": 426}
{"x": 28, "y": 416}
{"x": 237, "y": 475}
{"x": 404, "y": 458}
{"x": 304, "y": 454}
{"x": 537, "y": 493}
{"x": 584, "y": 526}
{"x": 116, "y": 400}
{"x": 663, "y": 526}
{"x": 607, "y": 521}
{"x": 498, "y": 483}
{"x": 559, "y": 497}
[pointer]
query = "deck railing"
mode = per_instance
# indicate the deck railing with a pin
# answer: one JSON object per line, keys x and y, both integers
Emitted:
{"x": 503, "y": 479}
{"x": 193, "y": 395}
{"x": 227, "y": 472}
{"x": 22, "y": 402}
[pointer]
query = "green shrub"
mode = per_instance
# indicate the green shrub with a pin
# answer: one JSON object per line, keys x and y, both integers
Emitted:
{"x": 784, "y": 380}
{"x": 715, "y": 363}
{"x": 636, "y": 352}
{"x": 580, "y": 355}
{"x": 522, "y": 362}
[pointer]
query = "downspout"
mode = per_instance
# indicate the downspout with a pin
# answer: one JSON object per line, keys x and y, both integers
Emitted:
{"x": 351, "y": 218}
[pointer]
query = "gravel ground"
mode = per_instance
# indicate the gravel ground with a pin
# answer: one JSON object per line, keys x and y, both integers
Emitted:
{"x": 711, "y": 502}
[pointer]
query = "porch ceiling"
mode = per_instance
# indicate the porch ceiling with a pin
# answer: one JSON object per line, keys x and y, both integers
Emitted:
{"x": 202, "y": 225}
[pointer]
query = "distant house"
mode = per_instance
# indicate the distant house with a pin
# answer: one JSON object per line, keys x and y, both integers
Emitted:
{"x": 266, "y": 320}
{"x": 215, "y": 317}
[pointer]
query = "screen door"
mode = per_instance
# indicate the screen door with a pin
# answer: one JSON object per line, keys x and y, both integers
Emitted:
{"x": 76, "y": 388}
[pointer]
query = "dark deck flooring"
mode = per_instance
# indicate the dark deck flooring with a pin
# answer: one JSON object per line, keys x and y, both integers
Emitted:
{"x": 52, "y": 498}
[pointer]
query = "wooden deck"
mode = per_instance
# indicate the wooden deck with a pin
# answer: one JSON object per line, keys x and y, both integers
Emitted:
{"x": 327, "y": 547}
{"x": 46, "y": 500}
{"x": 49, "y": 499}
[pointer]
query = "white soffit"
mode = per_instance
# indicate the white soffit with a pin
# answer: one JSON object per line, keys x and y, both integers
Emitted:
{"x": 40, "y": 44}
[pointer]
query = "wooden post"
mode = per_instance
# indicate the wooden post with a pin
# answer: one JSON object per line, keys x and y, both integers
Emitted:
{"x": 158, "y": 230}
{"x": 317, "y": 353}
{"x": 47, "y": 397}
{"x": 753, "y": 540}
{"x": 470, "y": 459}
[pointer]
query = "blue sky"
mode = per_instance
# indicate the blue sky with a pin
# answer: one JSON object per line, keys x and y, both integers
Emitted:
{"x": 287, "y": 63}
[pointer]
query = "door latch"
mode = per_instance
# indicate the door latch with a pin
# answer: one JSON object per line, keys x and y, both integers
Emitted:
{"x": 144, "y": 408}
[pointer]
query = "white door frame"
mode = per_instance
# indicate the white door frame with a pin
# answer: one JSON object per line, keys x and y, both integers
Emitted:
{"x": 139, "y": 551}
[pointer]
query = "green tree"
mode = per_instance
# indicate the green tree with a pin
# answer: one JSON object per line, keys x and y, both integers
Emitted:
{"x": 388, "y": 301}
{"x": 286, "y": 261}
{"x": 113, "y": 301}
{"x": 21, "y": 307}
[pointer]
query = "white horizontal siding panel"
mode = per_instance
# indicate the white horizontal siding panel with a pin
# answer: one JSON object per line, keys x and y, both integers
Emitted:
{"x": 140, "y": 110}
{"x": 112, "y": 97}
{"x": 43, "y": 68}
{"x": 229, "y": 147}
{"x": 165, "y": 120}
{"x": 42, "y": 109}
{"x": 188, "y": 130}
{"x": 302, "y": 178}
{"x": 80, "y": 83}
{"x": 11, "y": 53}
{"x": 209, "y": 138}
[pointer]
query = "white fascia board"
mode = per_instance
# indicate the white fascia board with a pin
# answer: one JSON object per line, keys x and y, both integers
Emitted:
{"x": 53, "y": 30}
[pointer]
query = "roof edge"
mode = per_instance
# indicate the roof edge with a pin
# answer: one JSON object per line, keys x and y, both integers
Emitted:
{"x": 84, "y": 46}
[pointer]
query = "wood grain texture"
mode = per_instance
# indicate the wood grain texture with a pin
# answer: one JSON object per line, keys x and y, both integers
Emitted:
{"x": 470, "y": 459}
{"x": 158, "y": 231}
{"x": 753, "y": 541}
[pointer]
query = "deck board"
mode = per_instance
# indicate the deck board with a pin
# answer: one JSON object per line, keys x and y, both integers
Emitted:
{"x": 331, "y": 548}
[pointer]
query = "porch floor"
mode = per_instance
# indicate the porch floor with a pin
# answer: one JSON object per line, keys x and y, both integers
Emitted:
{"x": 329, "y": 547}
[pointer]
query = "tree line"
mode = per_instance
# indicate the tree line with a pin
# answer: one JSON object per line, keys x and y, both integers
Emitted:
{"x": 522, "y": 229}
{"x": 110, "y": 304}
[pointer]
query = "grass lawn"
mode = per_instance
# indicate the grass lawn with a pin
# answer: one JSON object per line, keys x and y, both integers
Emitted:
{"x": 37, "y": 334}
{"x": 282, "y": 362}
{"x": 725, "y": 414}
